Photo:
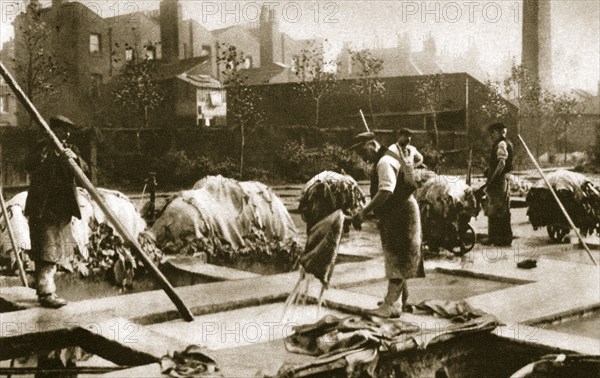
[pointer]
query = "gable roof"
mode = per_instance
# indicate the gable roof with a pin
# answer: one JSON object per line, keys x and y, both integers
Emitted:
{"x": 200, "y": 81}
{"x": 252, "y": 32}
{"x": 166, "y": 71}
{"x": 273, "y": 73}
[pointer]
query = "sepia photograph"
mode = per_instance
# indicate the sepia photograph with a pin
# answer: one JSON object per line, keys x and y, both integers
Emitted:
{"x": 300, "y": 188}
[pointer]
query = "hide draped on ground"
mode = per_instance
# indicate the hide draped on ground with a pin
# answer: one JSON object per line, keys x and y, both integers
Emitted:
{"x": 81, "y": 229}
{"x": 223, "y": 211}
{"x": 97, "y": 245}
{"x": 354, "y": 344}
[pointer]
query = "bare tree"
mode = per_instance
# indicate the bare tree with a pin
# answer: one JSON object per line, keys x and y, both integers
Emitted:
{"x": 242, "y": 99}
{"x": 318, "y": 78}
{"x": 563, "y": 110}
{"x": 137, "y": 89}
{"x": 495, "y": 106}
{"x": 526, "y": 91}
{"x": 368, "y": 83}
{"x": 430, "y": 91}
{"x": 38, "y": 70}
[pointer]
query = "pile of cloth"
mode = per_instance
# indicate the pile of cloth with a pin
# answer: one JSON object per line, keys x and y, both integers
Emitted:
{"x": 354, "y": 344}
{"x": 327, "y": 192}
{"x": 225, "y": 213}
{"x": 580, "y": 197}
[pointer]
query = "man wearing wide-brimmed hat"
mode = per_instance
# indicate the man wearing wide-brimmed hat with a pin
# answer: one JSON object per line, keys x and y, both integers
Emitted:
{"x": 398, "y": 214}
{"x": 51, "y": 203}
{"x": 498, "y": 187}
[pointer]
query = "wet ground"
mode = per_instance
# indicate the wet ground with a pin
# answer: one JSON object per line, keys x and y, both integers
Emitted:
{"x": 437, "y": 286}
{"x": 587, "y": 325}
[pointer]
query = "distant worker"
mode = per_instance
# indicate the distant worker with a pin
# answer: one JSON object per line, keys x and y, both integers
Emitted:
{"x": 498, "y": 187}
{"x": 397, "y": 211}
{"x": 369, "y": 149}
{"x": 51, "y": 204}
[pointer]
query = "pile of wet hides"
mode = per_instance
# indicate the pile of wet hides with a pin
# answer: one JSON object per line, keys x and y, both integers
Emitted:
{"x": 226, "y": 220}
{"x": 579, "y": 196}
{"x": 447, "y": 196}
{"x": 322, "y": 246}
{"x": 318, "y": 259}
{"x": 423, "y": 175}
{"x": 193, "y": 362}
{"x": 327, "y": 192}
{"x": 356, "y": 343}
{"x": 97, "y": 247}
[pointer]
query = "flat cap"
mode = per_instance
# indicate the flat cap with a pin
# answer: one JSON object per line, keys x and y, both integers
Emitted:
{"x": 61, "y": 121}
{"x": 405, "y": 131}
{"x": 362, "y": 138}
{"x": 496, "y": 126}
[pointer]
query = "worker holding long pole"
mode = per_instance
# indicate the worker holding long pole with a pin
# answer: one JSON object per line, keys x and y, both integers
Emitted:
{"x": 67, "y": 157}
{"x": 51, "y": 203}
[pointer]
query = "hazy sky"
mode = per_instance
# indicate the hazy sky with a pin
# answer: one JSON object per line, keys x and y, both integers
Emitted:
{"x": 494, "y": 26}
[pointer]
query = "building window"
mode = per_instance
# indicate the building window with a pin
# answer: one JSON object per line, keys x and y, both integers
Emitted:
{"x": 150, "y": 53}
{"x": 295, "y": 60}
{"x": 158, "y": 51}
{"x": 248, "y": 62}
{"x": 4, "y": 104}
{"x": 96, "y": 81}
{"x": 205, "y": 50}
{"x": 95, "y": 46}
{"x": 128, "y": 54}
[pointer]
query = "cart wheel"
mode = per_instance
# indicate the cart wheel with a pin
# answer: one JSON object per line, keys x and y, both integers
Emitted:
{"x": 467, "y": 239}
{"x": 557, "y": 233}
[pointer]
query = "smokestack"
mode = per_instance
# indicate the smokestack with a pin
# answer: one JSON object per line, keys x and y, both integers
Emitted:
{"x": 536, "y": 55}
{"x": 170, "y": 20}
{"x": 268, "y": 28}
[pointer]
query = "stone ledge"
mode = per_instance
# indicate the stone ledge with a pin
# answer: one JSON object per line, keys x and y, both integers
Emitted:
{"x": 215, "y": 272}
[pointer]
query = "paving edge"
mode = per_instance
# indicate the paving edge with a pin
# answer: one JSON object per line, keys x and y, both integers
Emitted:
{"x": 485, "y": 276}
{"x": 565, "y": 315}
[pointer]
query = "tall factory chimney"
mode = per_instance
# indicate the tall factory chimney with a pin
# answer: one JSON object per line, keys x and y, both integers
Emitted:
{"x": 536, "y": 55}
{"x": 170, "y": 20}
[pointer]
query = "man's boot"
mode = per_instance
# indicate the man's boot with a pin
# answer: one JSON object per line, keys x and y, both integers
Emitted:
{"x": 46, "y": 289}
{"x": 388, "y": 308}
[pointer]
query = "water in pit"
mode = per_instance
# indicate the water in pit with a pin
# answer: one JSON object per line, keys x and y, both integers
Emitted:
{"x": 437, "y": 286}
{"x": 587, "y": 325}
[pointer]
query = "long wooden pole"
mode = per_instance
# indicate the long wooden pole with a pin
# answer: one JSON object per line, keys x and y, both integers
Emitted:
{"x": 562, "y": 208}
{"x": 364, "y": 120}
{"x": 185, "y": 313}
{"x": 11, "y": 235}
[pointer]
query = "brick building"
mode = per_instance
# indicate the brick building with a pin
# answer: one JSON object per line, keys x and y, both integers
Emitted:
{"x": 8, "y": 103}
{"x": 92, "y": 50}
